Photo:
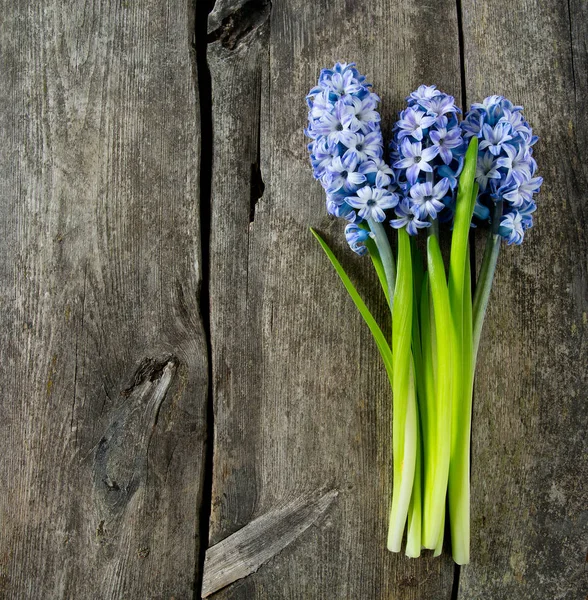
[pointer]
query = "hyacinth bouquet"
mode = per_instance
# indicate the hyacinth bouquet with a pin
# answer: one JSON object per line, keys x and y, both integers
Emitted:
{"x": 442, "y": 171}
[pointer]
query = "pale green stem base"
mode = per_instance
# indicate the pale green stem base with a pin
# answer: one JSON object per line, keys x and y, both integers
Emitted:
{"x": 439, "y": 546}
{"x": 413, "y": 534}
{"x": 404, "y": 422}
{"x": 437, "y": 469}
{"x": 404, "y": 473}
{"x": 459, "y": 480}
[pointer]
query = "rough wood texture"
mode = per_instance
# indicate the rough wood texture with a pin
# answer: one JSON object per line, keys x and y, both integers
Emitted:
{"x": 530, "y": 459}
{"x": 103, "y": 372}
{"x": 103, "y": 367}
{"x": 301, "y": 400}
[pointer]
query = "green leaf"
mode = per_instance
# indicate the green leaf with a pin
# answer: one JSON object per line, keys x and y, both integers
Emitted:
{"x": 375, "y": 330}
{"x": 461, "y": 309}
{"x": 404, "y": 434}
{"x": 415, "y": 509}
{"x": 459, "y": 259}
{"x": 436, "y": 473}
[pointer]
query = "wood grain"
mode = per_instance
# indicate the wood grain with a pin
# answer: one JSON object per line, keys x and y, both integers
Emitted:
{"x": 530, "y": 459}
{"x": 103, "y": 359}
{"x": 301, "y": 400}
{"x": 103, "y": 372}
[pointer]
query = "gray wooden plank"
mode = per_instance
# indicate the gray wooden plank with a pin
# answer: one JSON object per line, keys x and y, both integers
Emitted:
{"x": 529, "y": 464}
{"x": 301, "y": 399}
{"x": 103, "y": 371}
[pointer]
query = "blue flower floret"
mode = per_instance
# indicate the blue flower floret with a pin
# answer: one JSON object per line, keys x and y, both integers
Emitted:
{"x": 356, "y": 238}
{"x": 406, "y": 217}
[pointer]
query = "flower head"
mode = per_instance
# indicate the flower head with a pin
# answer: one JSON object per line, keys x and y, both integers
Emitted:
{"x": 377, "y": 172}
{"x": 486, "y": 169}
{"x": 446, "y": 140}
{"x": 424, "y": 92}
{"x": 343, "y": 176}
{"x": 427, "y": 153}
{"x": 506, "y": 168}
{"x": 360, "y": 114}
{"x": 412, "y": 122}
{"x": 346, "y": 146}
{"x": 363, "y": 147}
{"x": 495, "y": 138}
{"x": 341, "y": 80}
{"x": 416, "y": 159}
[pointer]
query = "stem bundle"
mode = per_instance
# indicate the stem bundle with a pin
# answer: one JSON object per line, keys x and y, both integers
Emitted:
{"x": 430, "y": 364}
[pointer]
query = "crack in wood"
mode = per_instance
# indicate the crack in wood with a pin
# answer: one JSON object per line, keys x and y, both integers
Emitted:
{"x": 149, "y": 369}
{"x": 257, "y": 183}
{"x": 202, "y": 10}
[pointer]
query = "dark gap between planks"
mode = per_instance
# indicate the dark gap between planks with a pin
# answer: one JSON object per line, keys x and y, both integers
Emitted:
{"x": 472, "y": 237}
{"x": 202, "y": 8}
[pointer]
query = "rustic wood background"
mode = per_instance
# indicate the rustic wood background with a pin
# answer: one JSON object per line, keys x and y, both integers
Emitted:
{"x": 190, "y": 404}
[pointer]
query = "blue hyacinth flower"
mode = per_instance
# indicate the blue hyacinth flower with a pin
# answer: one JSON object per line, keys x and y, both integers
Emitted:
{"x": 347, "y": 147}
{"x": 427, "y": 153}
{"x": 506, "y": 168}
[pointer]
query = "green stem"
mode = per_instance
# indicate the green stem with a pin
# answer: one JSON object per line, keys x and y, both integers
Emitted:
{"x": 428, "y": 412}
{"x": 414, "y": 528}
{"x": 386, "y": 256}
{"x": 379, "y": 267}
{"x": 437, "y": 470}
{"x": 459, "y": 467}
{"x": 404, "y": 423}
{"x": 415, "y": 509}
{"x": 429, "y": 345}
{"x": 486, "y": 277}
{"x": 418, "y": 277}
{"x": 461, "y": 310}
{"x": 459, "y": 476}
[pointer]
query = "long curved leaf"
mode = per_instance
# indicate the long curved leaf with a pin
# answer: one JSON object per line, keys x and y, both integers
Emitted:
{"x": 375, "y": 330}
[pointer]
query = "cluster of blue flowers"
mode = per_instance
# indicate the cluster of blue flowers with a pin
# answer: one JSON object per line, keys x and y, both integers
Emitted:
{"x": 506, "y": 167}
{"x": 346, "y": 150}
{"x": 427, "y": 153}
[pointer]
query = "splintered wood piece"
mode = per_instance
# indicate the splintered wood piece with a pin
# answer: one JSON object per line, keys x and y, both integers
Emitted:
{"x": 243, "y": 552}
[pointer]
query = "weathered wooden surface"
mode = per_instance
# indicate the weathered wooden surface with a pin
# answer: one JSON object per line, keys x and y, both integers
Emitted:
{"x": 530, "y": 459}
{"x": 103, "y": 371}
{"x": 300, "y": 398}
{"x": 103, "y": 367}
